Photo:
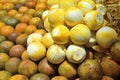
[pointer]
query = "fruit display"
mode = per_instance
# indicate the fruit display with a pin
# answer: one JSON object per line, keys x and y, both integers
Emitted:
{"x": 59, "y": 40}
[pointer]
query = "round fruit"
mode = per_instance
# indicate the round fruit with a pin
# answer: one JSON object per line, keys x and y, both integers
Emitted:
{"x": 44, "y": 66}
{"x": 18, "y": 77}
{"x": 40, "y": 76}
{"x": 110, "y": 68}
{"x": 22, "y": 39}
{"x": 27, "y": 68}
{"x": 114, "y": 51}
{"x": 73, "y": 16}
{"x": 12, "y": 65}
{"x": 5, "y": 75}
{"x": 55, "y": 54}
{"x": 34, "y": 37}
{"x": 36, "y": 51}
{"x": 2, "y": 38}
{"x": 12, "y": 22}
{"x": 90, "y": 70}
{"x": 94, "y": 20}
{"x": 68, "y": 68}
{"x": 60, "y": 34}
{"x": 75, "y": 54}
{"x": 7, "y": 45}
{"x": 56, "y": 16}
{"x": 16, "y": 51}
{"x": 12, "y": 37}
{"x": 86, "y": 5}
{"x": 80, "y": 34}
{"x": 3, "y": 59}
{"x": 105, "y": 36}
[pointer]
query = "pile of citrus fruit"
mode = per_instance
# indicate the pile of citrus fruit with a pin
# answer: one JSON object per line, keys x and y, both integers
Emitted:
{"x": 57, "y": 40}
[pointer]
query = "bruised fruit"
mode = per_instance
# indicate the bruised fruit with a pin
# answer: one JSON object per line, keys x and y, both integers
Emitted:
{"x": 110, "y": 68}
{"x": 7, "y": 45}
{"x": 90, "y": 70}
{"x": 12, "y": 37}
{"x": 67, "y": 69}
{"x": 18, "y": 77}
{"x": 5, "y": 75}
{"x": 27, "y": 68}
{"x": 46, "y": 67}
{"x": 39, "y": 76}
{"x": 3, "y": 59}
{"x": 16, "y": 51}
{"x": 115, "y": 51}
{"x": 12, "y": 65}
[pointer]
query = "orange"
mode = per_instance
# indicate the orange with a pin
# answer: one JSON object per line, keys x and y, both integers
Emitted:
{"x": 8, "y": 6}
{"x": 25, "y": 18}
{"x": 18, "y": 15}
{"x": 30, "y": 12}
{"x": 42, "y": 1}
{"x": 30, "y": 4}
{"x": 6, "y": 30}
{"x": 35, "y": 21}
{"x": 13, "y": 1}
{"x": 3, "y": 59}
{"x": 12, "y": 12}
{"x": 23, "y": 9}
{"x": 30, "y": 29}
{"x": 20, "y": 27}
{"x": 40, "y": 6}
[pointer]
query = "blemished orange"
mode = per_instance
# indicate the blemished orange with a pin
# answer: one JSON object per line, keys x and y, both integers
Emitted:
{"x": 25, "y": 18}
{"x": 20, "y": 27}
{"x": 30, "y": 4}
{"x": 40, "y": 6}
{"x": 6, "y": 30}
{"x": 12, "y": 12}
{"x": 30, "y": 29}
{"x": 23, "y": 9}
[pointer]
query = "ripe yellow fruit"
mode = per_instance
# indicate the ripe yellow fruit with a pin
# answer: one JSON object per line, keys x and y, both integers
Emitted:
{"x": 73, "y": 16}
{"x": 86, "y": 5}
{"x": 36, "y": 51}
{"x": 47, "y": 40}
{"x": 56, "y": 16}
{"x": 44, "y": 14}
{"x": 105, "y": 36}
{"x": 55, "y": 54}
{"x": 60, "y": 34}
{"x": 75, "y": 54}
{"x": 34, "y": 37}
{"x": 101, "y": 8}
{"x": 80, "y": 34}
{"x": 47, "y": 25}
{"x": 94, "y": 20}
{"x": 65, "y": 4}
